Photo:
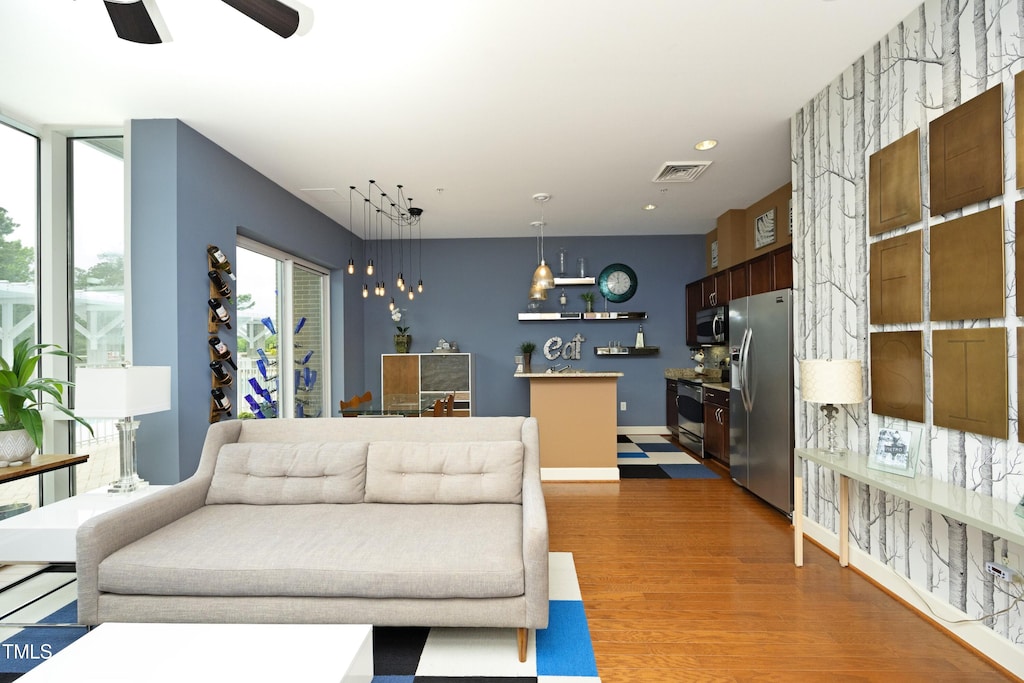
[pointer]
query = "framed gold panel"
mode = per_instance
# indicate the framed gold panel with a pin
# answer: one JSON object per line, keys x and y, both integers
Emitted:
{"x": 1018, "y": 91}
{"x": 896, "y": 280}
{"x": 894, "y": 184}
{"x": 969, "y": 371}
{"x": 897, "y": 374}
{"x": 1020, "y": 382}
{"x": 966, "y": 153}
{"x": 967, "y": 264}
{"x": 1019, "y": 243}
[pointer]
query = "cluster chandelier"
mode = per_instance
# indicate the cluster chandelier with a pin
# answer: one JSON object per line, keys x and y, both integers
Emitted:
{"x": 543, "y": 278}
{"x": 388, "y": 223}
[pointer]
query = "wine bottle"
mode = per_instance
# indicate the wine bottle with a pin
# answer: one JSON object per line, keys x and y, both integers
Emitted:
{"x": 221, "y": 351}
{"x": 255, "y": 407}
{"x": 298, "y": 325}
{"x": 220, "y": 401}
{"x": 218, "y": 283}
{"x": 219, "y": 261}
{"x": 220, "y": 313}
{"x": 222, "y": 375}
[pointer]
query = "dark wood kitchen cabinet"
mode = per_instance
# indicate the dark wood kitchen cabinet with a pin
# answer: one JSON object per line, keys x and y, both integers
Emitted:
{"x": 671, "y": 410}
{"x": 716, "y": 424}
{"x": 694, "y": 298}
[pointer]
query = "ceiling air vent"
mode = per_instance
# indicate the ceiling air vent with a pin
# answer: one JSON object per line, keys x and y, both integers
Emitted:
{"x": 680, "y": 171}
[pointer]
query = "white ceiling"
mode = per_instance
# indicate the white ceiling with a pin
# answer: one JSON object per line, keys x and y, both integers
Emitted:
{"x": 491, "y": 100}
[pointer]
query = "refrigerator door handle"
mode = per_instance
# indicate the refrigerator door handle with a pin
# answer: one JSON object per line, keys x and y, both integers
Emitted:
{"x": 745, "y": 369}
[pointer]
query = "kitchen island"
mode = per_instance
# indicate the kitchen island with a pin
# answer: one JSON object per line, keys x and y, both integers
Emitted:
{"x": 578, "y": 424}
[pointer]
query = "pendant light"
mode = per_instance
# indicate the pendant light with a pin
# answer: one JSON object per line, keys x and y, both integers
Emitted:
{"x": 351, "y": 261}
{"x": 542, "y": 276}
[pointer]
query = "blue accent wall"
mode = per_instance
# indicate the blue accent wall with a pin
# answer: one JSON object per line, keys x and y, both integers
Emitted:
{"x": 475, "y": 287}
{"x": 188, "y": 192}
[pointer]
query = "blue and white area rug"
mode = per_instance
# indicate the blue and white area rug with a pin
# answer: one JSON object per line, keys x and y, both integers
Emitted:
{"x": 561, "y": 653}
{"x": 655, "y": 457}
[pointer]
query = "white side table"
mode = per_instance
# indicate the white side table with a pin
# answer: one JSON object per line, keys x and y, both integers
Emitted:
{"x": 47, "y": 533}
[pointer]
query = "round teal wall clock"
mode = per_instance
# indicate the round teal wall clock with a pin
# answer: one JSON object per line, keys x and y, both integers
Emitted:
{"x": 617, "y": 283}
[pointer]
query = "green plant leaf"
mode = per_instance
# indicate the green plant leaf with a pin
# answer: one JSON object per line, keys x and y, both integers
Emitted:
{"x": 33, "y": 424}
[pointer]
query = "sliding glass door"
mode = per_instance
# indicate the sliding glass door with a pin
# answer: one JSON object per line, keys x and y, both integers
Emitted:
{"x": 282, "y": 334}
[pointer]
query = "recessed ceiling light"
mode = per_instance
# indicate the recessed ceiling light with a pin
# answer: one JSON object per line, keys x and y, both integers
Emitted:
{"x": 705, "y": 145}
{"x": 650, "y": 207}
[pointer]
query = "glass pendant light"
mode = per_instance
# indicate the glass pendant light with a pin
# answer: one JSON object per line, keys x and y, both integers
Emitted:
{"x": 542, "y": 276}
{"x": 366, "y": 291}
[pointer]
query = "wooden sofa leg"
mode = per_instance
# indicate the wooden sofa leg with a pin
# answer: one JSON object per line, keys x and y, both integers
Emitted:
{"x": 522, "y": 635}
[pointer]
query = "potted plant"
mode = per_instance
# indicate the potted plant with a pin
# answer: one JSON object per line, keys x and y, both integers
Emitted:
{"x": 526, "y": 348}
{"x": 403, "y": 339}
{"x": 589, "y": 298}
{"x": 22, "y": 395}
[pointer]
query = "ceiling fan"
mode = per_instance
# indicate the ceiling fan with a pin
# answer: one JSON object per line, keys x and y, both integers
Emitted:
{"x": 139, "y": 21}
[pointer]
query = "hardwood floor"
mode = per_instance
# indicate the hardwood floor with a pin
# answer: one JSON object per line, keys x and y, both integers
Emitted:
{"x": 693, "y": 580}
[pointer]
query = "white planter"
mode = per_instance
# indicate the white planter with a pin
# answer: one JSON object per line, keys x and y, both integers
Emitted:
{"x": 16, "y": 447}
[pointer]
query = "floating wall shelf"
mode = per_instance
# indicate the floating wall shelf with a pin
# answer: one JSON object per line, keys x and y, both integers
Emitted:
{"x": 608, "y": 315}
{"x": 626, "y": 351}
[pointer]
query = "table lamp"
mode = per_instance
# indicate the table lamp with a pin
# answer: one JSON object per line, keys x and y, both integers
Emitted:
{"x": 122, "y": 393}
{"x": 831, "y": 383}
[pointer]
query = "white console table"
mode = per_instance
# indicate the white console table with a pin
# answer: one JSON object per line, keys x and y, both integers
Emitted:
{"x": 973, "y": 508}
{"x": 47, "y": 533}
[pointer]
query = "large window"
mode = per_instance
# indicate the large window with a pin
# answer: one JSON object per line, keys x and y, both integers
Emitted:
{"x": 96, "y": 210}
{"x": 281, "y": 309}
{"x": 19, "y": 228}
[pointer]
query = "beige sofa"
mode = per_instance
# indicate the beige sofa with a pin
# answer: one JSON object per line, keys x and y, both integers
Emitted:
{"x": 392, "y": 522}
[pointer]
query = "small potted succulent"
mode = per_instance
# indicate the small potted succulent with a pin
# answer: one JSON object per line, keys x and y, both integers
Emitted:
{"x": 526, "y": 348}
{"x": 23, "y": 395}
{"x": 588, "y": 297}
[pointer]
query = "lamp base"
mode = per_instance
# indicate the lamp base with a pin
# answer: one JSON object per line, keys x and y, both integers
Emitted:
{"x": 129, "y": 480}
{"x": 831, "y": 411}
{"x": 127, "y": 485}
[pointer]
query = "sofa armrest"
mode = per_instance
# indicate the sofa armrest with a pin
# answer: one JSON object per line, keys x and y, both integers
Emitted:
{"x": 535, "y": 530}
{"x": 104, "y": 534}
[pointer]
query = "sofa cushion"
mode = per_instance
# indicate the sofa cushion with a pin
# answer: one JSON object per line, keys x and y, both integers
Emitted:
{"x": 449, "y": 473}
{"x": 361, "y": 550}
{"x": 289, "y": 473}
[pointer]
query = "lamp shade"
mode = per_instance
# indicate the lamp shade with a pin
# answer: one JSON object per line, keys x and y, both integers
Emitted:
{"x": 543, "y": 277}
{"x": 122, "y": 391}
{"x": 831, "y": 381}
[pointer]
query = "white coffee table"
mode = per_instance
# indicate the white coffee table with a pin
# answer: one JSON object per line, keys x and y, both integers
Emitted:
{"x": 47, "y": 533}
{"x": 254, "y": 653}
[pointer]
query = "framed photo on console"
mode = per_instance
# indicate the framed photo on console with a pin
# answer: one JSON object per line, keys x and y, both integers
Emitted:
{"x": 896, "y": 451}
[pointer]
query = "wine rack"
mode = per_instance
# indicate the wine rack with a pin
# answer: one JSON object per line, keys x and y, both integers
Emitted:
{"x": 218, "y": 316}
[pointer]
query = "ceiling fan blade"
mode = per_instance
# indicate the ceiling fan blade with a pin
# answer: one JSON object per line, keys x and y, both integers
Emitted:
{"x": 274, "y": 15}
{"x": 133, "y": 22}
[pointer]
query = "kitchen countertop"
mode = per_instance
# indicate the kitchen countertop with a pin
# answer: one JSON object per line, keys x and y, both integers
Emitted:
{"x": 563, "y": 375}
{"x": 711, "y": 378}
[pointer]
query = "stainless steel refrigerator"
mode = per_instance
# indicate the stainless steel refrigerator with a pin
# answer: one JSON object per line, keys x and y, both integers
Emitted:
{"x": 761, "y": 396}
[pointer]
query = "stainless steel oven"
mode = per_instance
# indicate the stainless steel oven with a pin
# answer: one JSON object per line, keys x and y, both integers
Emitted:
{"x": 690, "y": 405}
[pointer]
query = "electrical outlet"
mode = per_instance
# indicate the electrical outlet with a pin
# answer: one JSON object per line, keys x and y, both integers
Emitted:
{"x": 1001, "y": 571}
{"x": 622, "y": 405}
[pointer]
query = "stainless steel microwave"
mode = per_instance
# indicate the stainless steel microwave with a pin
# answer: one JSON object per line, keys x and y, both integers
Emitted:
{"x": 712, "y": 325}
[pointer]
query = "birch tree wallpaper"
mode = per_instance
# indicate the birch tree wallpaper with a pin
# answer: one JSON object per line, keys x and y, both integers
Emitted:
{"x": 944, "y": 54}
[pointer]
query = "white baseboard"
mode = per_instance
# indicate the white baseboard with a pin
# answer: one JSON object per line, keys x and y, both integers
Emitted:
{"x": 579, "y": 473}
{"x": 975, "y": 634}
{"x": 655, "y": 429}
